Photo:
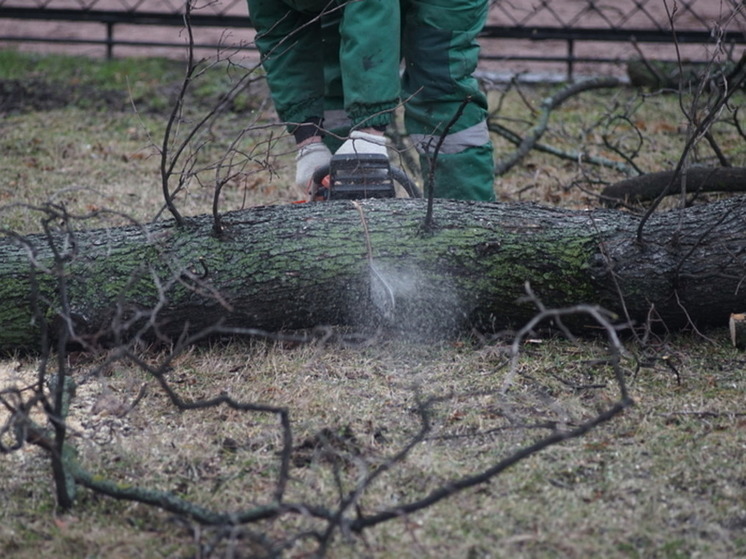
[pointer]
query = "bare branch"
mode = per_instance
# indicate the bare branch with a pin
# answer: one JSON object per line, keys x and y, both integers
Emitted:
{"x": 547, "y": 106}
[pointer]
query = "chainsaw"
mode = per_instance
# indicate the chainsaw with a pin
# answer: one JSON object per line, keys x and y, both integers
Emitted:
{"x": 357, "y": 176}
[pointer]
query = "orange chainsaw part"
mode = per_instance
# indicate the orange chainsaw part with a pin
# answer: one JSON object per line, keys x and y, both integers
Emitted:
{"x": 315, "y": 188}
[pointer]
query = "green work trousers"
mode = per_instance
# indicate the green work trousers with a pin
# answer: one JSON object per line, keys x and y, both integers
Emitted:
{"x": 346, "y": 61}
{"x": 293, "y": 38}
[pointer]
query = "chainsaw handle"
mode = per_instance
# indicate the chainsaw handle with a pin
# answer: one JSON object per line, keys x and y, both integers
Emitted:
{"x": 408, "y": 184}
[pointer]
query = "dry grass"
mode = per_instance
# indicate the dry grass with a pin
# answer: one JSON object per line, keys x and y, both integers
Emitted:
{"x": 664, "y": 480}
{"x": 667, "y": 479}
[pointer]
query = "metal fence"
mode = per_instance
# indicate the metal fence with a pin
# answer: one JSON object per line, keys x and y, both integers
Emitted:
{"x": 520, "y": 33}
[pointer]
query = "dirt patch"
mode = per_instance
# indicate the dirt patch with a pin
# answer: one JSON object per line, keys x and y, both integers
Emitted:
{"x": 36, "y": 94}
{"x": 18, "y": 96}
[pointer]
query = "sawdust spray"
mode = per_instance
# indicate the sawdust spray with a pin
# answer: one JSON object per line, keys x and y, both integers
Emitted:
{"x": 408, "y": 299}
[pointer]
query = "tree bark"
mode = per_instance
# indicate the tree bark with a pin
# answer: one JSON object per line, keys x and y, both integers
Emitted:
{"x": 359, "y": 263}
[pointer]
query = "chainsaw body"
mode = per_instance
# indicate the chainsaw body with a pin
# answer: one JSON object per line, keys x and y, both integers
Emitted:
{"x": 353, "y": 177}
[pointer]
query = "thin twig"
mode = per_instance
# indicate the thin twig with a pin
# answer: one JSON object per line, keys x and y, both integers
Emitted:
{"x": 430, "y": 183}
{"x": 166, "y": 169}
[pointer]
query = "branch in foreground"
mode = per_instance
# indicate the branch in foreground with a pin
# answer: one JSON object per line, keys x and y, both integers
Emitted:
{"x": 457, "y": 486}
{"x": 453, "y": 487}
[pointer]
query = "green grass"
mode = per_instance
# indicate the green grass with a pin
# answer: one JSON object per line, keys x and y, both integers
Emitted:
{"x": 663, "y": 480}
{"x": 19, "y": 65}
{"x": 112, "y": 74}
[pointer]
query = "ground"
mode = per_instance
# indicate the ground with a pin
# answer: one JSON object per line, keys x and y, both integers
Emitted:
{"x": 663, "y": 480}
{"x": 666, "y": 478}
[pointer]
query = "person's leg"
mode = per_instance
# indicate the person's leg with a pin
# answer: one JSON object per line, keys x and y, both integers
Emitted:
{"x": 289, "y": 40}
{"x": 440, "y": 54}
{"x": 369, "y": 58}
{"x": 336, "y": 123}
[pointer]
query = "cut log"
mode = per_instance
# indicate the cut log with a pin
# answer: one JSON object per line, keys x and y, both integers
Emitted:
{"x": 737, "y": 325}
{"x": 332, "y": 263}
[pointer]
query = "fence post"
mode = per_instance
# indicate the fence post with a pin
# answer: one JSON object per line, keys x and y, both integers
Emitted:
{"x": 109, "y": 40}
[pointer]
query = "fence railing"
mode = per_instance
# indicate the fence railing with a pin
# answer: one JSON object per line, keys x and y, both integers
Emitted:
{"x": 541, "y": 31}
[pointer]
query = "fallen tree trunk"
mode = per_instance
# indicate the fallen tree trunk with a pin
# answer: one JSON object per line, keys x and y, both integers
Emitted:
{"x": 697, "y": 180}
{"x": 299, "y": 266}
